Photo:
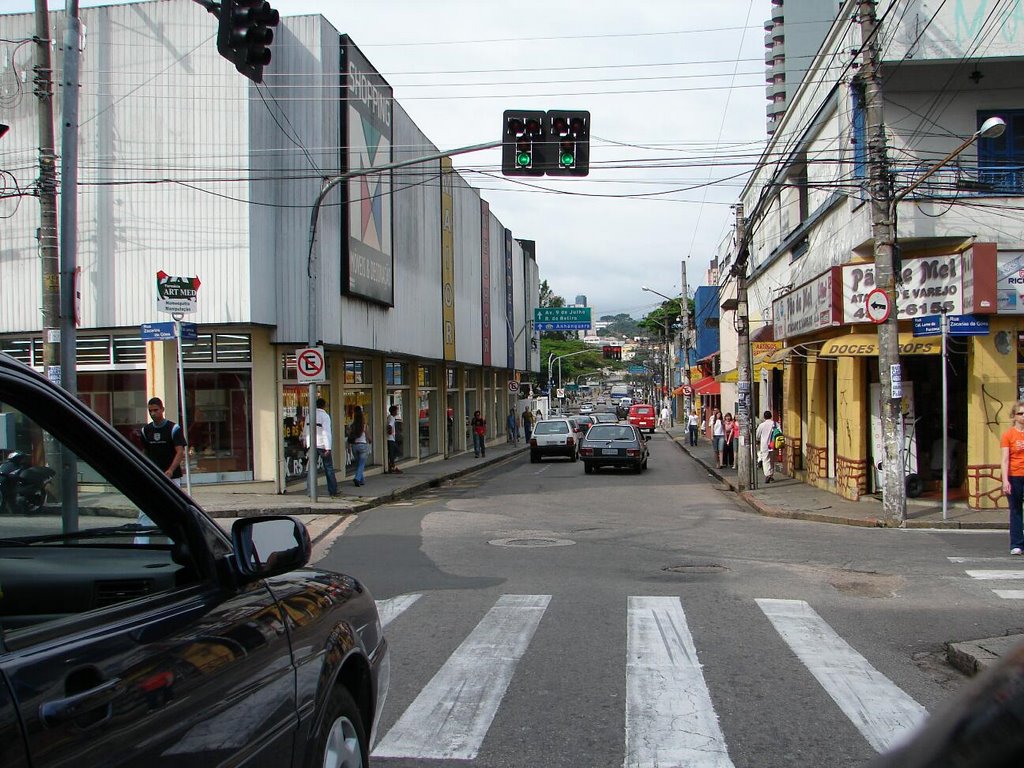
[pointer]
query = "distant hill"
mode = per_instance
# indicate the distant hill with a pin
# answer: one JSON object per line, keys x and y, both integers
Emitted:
{"x": 619, "y": 325}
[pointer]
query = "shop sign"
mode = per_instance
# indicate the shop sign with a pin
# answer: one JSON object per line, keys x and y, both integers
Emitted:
{"x": 866, "y": 345}
{"x": 1010, "y": 283}
{"x": 175, "y": 293}
{"x": 980, "y": 270}
{"x": 760, "y": 349}
{"x": 927, "y": 286}
{"x": 809, "y": 307}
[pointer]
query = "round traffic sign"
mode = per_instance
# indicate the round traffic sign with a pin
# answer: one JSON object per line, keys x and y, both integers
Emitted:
{"x": 513, "y": 386}
{"x": 309, "y": 364}
{"x": 687, "y": 390}
{"x": 877, "y": 306}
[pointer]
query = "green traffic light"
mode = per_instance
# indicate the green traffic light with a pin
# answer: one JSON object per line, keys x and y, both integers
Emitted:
{"x": 523, "y": 159}
{"x": 566, "y": 159}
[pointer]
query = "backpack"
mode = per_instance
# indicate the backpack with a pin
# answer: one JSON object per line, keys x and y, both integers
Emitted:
{"x": 776, "y": 439}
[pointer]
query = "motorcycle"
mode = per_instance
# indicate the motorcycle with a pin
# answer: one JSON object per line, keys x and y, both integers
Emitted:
{"x": 23, "y": 487}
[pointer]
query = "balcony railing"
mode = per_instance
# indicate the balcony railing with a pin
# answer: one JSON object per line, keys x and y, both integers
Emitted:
{"x": 960, "y": 180}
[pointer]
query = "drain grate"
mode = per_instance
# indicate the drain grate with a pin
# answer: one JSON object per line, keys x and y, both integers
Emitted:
{"x": 696, "y": 568}
{"x": 531, "y": 542}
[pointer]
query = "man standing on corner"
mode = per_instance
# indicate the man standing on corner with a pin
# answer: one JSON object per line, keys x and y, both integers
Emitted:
{"x": 765, "y": 452}
{"x": 392, "y": 430}
{"x": 324, "y": 445}
{"x": 164, "y": 441}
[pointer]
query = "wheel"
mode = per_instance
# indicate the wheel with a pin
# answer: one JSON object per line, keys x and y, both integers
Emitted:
{"x": 340, "y": 740}
{"x": 588, "y": 468}
{"x": 534, "y": 458}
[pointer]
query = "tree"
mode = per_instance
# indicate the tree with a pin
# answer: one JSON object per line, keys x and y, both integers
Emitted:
{"x": 548, "y": 297}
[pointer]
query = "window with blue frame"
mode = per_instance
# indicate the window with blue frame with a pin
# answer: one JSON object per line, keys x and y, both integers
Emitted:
{"x": 1001, "y": 159}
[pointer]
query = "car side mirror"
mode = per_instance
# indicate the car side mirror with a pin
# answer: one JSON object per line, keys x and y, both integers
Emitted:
{"x": 269, "y": 546}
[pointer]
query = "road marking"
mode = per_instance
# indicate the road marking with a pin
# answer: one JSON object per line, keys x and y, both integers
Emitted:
{"x": 1010, "y": 594}
{"x": 996, "y": 575}
{"x": 882, "y": 712}
{"x": 450, "y": 717}
{"x": 976, "y": 559}
{"x": 393, "y": 607}
{"x": 670, "y": 719}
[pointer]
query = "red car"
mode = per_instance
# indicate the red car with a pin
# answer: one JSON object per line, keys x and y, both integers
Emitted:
{"x": 642, "y": 416}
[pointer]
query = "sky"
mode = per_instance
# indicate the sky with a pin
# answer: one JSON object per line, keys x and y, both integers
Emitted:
{"x": 676, "y": 93}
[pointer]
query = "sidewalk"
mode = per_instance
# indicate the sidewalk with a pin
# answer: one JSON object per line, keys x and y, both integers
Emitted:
{"x": 228, "y": 501}
{"x": 786, "y": 497}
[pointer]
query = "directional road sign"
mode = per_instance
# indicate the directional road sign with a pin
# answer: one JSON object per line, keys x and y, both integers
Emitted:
{"x": 878, "y": 306}
{"x": 166, "y": 331}
{"x": 561, "y": 318}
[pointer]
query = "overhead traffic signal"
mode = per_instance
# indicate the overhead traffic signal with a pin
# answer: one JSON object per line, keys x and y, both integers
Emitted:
{"x": 245, "y": 33}
{"x": 569, "y": 134}
{"x": 556, "y": 142}
{"x": 522, "y": 143}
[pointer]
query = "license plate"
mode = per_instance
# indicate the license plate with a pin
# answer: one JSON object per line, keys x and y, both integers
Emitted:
{"x": 609, "y": 452}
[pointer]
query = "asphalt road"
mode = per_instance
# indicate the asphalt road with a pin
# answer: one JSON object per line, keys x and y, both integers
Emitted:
{"x": 541, "y": 617}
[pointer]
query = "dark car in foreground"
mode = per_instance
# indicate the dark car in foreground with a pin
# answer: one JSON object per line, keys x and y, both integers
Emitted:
{"x": 135, "y": 632}
{"x": 614, "y": 445}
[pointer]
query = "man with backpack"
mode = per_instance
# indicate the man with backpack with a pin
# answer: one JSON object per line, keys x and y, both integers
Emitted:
{"x": 766, "y": 436}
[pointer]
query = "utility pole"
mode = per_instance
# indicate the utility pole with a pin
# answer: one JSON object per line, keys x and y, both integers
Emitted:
{"x": 894, "y": 490}
{"x": 684, "y": 336}
{"x": 48, "y": 255}
{"x": 745, "y": 462}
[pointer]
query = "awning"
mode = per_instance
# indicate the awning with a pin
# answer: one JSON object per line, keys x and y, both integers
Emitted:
{"x": 866, "y": 345}
{"x": 732, "y": 376}
{"x": 707, "y": 386}
{"x": 678, "y": 391}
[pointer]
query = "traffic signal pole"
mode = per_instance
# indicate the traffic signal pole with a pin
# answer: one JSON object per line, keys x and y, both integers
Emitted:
{"x": 312, "y": 272}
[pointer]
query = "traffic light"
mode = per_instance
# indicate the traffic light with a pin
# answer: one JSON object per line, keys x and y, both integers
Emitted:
{"x": 522, "y": 143}
{"x": 244, "y": 35}
{"x": 569, "y": 141}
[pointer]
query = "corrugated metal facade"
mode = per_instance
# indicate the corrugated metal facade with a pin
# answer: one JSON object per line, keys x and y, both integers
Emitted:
{"x": 186, "y": 167}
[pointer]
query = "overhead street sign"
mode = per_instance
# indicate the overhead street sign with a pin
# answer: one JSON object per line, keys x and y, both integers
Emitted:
{"x": 167, "y": 332}
{"x": 562, "y": 318}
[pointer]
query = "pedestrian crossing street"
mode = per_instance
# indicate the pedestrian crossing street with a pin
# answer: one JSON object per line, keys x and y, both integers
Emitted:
{"x": 670, "y": 718}
{"x": 998, "y": 573}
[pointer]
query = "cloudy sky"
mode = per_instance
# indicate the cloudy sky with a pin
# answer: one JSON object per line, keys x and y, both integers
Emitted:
{"x": 676, "y": 94}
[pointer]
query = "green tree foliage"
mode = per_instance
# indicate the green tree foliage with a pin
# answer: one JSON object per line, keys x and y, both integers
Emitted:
{"x": 590, "y": 363}
{"x": 621, "y": 325}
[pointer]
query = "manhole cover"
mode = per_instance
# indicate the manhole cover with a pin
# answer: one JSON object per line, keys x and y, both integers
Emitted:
{"x": 696, "y": 568}
{"x": 531, "y": 542}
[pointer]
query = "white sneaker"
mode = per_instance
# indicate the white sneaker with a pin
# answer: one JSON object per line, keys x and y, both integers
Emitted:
{"x": 1016, "y": 551}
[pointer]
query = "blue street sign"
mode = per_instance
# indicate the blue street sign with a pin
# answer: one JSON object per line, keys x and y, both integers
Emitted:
{"x": 166, "y": 331}
{"x": 959, "y": 325}
{"x": 968, "y": 325}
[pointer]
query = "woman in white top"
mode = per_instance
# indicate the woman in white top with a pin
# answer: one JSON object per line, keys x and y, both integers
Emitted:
{"x": 360, "y": 442}
{"x": 718, "y": 435}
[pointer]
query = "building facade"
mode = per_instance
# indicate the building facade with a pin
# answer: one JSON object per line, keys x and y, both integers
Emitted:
{"x": 418, "y": 294}
{"x": 944, "y": 70}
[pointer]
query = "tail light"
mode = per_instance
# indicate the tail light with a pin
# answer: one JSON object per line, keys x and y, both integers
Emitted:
{"x": 570, "y": 441}
{"x": 533, "y": 442}
{"x": 632, "y": 451}
{"x": 586, "y": 451}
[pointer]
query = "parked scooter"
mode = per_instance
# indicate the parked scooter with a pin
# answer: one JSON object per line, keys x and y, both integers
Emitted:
{"x": 23, "y": 487}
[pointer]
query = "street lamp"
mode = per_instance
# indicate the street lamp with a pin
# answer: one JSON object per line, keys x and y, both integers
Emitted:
{"x": 894, "y": 488}
{"x": 669, "y": 381}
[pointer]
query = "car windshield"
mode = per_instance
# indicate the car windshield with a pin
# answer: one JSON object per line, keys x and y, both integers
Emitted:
{"x": 610, "y": 432}
{"x": 552, "y": 428}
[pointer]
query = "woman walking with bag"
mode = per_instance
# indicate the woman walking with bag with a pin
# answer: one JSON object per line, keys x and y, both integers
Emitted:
{"x": 359, "y": 441}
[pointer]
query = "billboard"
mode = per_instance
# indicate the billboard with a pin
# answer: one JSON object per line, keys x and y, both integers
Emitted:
{"x": 366, "y": 141}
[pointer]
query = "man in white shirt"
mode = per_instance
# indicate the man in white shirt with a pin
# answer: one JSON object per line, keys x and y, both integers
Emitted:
{"x": 392, "y": 430}
{"x": 665, "y": 416}
{"x": 764, "y": 453}
{"x": 324, "y": 443}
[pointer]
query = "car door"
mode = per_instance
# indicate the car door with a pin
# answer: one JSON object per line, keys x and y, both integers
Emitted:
{"x": 122, "y": 649}
{"x": 12, "y": 745}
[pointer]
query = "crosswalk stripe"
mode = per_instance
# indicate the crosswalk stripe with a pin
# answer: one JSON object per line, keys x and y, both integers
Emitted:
{"x": 670, "y": 719}
{"x": 996, "y": 575}
{"x": 393, "y": 607}
{"x": 990, "y": 559}
{"x": 450, "y": 717}
{"x": 1010, "y": 594}
{"x": 882, "y": 712}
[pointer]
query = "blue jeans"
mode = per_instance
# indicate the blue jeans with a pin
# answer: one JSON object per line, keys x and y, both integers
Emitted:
{"x": 1016, "y": 503}
{"x": 693, "y": 435}
{"x": 479, "y": 449}
{"x": 327, "y": 457}
{"x": 359, "y": 452}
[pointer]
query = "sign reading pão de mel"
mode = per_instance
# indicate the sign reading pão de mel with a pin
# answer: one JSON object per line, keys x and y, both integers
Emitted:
{"x": 176, "y": 295}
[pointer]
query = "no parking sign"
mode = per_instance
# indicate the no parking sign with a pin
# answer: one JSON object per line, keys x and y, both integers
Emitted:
{"x": 309, "y": 364}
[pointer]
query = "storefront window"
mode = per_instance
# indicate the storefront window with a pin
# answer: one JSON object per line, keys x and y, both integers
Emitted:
{"x": 467, "y": 415}
{"x": 219, "y": 423}
{"x": 358, "y": 372}
{"x": 395, "y": 374}
{"x": 427, "y": 394}
{"x": 119, "y": 399}
{"x": 451, "y": 409}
